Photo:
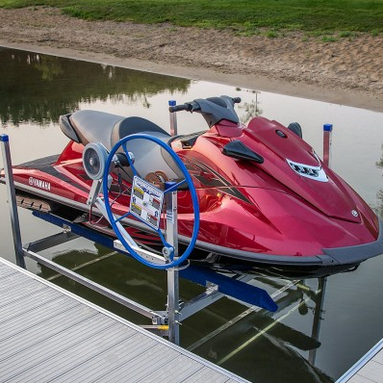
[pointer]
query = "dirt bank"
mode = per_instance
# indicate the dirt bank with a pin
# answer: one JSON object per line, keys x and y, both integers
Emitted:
{"x": 348, "y": 71}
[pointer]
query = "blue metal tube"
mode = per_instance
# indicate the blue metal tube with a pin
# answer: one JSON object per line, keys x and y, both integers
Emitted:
{"x": 327, "y": 142}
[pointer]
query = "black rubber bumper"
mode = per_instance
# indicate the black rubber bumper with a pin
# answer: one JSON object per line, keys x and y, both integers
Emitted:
{"x": 354, "y": 254}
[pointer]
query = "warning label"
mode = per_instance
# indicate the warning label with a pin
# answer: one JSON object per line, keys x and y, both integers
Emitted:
{"x": 146, "y": 202}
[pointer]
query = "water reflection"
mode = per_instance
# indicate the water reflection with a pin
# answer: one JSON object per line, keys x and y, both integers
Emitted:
{"x": 379, "y": 196}
{"x": 232, "y": 335}
{"x": 115, "y": 271}
{"x": 250, "y": 108}
{"x": 264, "y": 339}
{"x": 379, "y": 163}
{"x": 39, "y": 88}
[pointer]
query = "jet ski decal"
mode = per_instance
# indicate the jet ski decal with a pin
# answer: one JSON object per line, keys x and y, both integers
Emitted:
{"x": 40, "y": 184}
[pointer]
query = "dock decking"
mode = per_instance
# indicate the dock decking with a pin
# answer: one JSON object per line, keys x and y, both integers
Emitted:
{"x": 49, "y": 334}
{"x": 369, "y": 369}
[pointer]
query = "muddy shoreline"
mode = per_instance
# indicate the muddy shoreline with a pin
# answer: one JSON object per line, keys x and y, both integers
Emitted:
{"x": 348, "y": 71}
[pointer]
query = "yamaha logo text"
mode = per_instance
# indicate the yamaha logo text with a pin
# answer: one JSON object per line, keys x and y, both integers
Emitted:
{"x": 40, "y": 184}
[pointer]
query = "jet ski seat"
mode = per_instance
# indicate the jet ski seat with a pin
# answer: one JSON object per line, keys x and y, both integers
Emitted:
{"x": 133, "y": 125}
{"x": 86, "y": 126}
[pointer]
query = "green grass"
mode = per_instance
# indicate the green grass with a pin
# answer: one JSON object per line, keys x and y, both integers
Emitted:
{"x": 329, "y": 39}
{"x": 245, "y": 17}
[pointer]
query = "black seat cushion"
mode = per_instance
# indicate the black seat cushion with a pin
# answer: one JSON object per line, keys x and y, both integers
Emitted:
{"x": 133, "y": 125}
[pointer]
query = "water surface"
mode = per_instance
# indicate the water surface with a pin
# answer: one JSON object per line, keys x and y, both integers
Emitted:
{"x": 313, "y": 337}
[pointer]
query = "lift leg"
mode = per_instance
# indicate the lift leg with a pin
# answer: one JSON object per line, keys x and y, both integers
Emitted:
{"x": 4, "y": 140}
{"x": 173, "y": 273}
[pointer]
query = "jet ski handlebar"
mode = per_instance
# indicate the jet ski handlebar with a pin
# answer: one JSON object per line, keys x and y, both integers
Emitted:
{"x": 188, "y": 107}
{"x": 194, "y": 106}
{"x": 213, "y": 109}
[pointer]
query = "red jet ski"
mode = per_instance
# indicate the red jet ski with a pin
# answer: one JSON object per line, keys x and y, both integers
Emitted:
{"x": 267, "y": 202}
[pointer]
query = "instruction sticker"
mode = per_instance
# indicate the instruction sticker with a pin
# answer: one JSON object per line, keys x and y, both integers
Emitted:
{"x": 146, "y": 202}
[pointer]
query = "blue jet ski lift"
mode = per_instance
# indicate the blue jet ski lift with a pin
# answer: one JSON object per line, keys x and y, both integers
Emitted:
{"x": 164, "y": 322}
{"x": 286, "y": 295}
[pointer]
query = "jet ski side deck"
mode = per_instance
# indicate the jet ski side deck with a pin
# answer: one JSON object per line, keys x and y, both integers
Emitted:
{"x": 37, "y": 195}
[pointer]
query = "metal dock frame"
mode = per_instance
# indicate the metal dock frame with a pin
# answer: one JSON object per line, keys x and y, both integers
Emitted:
{"x": 216, "y": 285}
{"x": 49, "y": 334}
{"x": 164, "y": 322}
{"x": 368, "y": 368}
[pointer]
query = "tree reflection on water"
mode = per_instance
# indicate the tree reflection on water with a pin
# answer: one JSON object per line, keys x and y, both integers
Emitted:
{"x": 39, "y": 88}
{"x": 379, "y": 195}
{"x": 251, "y": 109}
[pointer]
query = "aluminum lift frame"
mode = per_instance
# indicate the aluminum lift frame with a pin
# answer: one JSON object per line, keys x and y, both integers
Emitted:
{"x": 165, "y": 322}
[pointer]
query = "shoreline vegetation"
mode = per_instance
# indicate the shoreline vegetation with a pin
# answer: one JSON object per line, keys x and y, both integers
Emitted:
{"x": 341, "y": 18}
{"x": 330, "y": 50}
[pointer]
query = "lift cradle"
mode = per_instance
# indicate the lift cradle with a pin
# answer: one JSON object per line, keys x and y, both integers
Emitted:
{"x": 164, "y": 322}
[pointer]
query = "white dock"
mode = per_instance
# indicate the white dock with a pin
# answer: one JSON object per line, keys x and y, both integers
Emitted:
{"x": 369, "y": 369}
{"x": 50, "y": 334}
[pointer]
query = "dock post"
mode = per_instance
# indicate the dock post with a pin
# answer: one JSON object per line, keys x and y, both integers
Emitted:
{"x": 318, "y": 312}
{"x": 172, "y": 273}
{"x": 327, "y": 142}
{"x": 173, "y": 120}
{"x": 19, "y": 254}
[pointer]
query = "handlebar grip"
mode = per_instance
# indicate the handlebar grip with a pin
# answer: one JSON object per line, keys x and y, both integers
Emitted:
{"x": 178, "y": 108}
{"x": 236, "y": 100}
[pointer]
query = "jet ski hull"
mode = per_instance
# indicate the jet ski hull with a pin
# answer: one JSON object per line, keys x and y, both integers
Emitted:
{"x": 267, "y": 202}
{"x": 38, "y": 182}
